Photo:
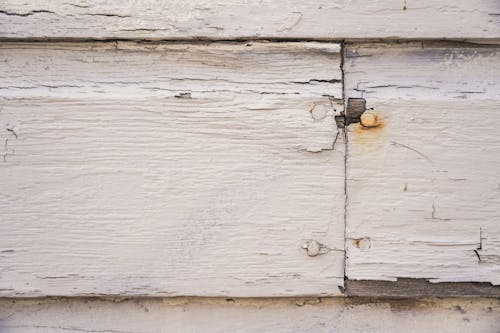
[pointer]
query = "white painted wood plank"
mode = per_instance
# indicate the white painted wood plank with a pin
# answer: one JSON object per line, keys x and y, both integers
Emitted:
{"x": 170, "y": 169}
{"x": 340, "y": 19}
{"x": 250, "y": 315}
{"x": 423, "y": 187}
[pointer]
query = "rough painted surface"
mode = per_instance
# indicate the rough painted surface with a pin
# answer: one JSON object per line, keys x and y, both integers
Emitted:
{"x": 423, "y": 186}
{"x": 246, "y": 19}
{"x": 250, "y": 315}
{"x": 170, "y": 169}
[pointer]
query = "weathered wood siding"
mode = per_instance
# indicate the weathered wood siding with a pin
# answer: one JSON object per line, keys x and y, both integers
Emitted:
{"x": 171, "y": 169}
{"x": 423, "y": 186}
{"x": 250, "y": 315}
{"x": 172, "y": 19}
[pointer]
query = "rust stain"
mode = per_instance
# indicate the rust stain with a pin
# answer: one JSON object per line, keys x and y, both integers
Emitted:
{"x": 363, "y": 132}
{"x": 368, "y": 139}
{"x": 375, "y": 129}
{"x": 375, "y": 124}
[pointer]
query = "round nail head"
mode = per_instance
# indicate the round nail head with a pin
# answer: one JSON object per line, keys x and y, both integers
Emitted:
{"x": 369, "y": 119}
{"x": 313, "y": 248}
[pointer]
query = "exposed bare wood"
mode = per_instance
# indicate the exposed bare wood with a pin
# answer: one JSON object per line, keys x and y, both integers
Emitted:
{"x": 420, "y": 288}
{"x": 355, "y": 107}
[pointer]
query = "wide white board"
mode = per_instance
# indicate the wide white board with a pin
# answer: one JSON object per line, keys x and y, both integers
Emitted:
{"x": 423, "y": 187}
{"x": 170, "y": 169}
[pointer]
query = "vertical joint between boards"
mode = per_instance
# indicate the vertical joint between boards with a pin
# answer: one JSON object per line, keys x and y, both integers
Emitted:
{"x": 346, "y": 151}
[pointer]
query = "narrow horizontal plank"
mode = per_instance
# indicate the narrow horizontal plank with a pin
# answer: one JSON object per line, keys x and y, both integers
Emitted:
{"x": 432, "y": 19}
{"x": 419, "y": 287}
{"x": 170, "y": 169}
{"x": 323, "y": 315}
{"x": 422, "y": 71}
{"x": 423, "y": 187}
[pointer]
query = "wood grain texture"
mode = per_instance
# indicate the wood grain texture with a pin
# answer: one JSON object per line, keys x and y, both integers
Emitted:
{"x": 250, "y": 315}
{"x": 423, "y": 187}
{"x": 172, "y": 19}
{"x": 407, "y": 288}
{"x": 170, "y": 169}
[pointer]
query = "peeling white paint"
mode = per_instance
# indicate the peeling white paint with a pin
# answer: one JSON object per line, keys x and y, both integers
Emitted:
{"x": 170, "y": 169}
{"x": 173, "y": 19}
{"x": 423, "y": 185}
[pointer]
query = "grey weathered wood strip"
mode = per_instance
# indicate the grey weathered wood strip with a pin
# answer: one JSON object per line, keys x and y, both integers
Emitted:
{"x": 410, "y": 288}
